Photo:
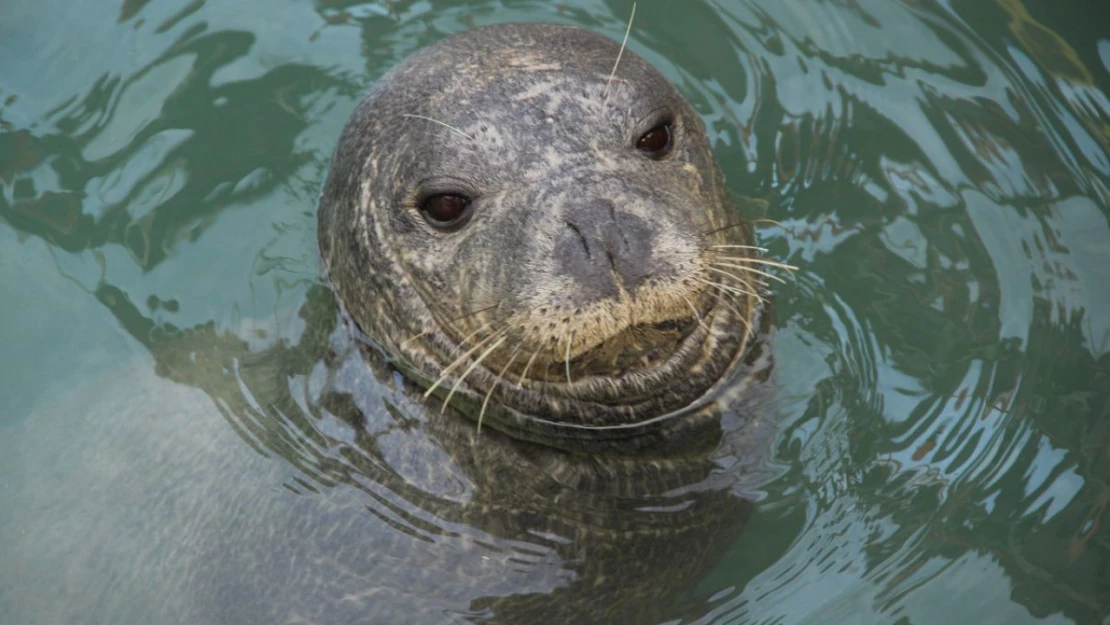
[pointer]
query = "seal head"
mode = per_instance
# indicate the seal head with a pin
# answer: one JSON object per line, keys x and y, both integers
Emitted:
{"x": 541, "y": 238}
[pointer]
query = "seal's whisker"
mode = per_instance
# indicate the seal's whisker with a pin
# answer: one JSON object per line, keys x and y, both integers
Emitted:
{"x": 743, "y": 247}
{"x": 570, "y": 341}
{"x": 472, "y": 366}
{"x": 466, "y": 339}
{"x": 450, "y": 322}
{"x": 735, "y": 294}
{"x": 412, "y": 338}
{"x": 739, "y": 293}
{"x": 451, "y": 367}
{"x": 697, "y": 315}
{"x": 717, "y": 285}
{"x": 524, "y": 374}
{"x": 748, "y": 269}
{"x": 489, "y": 393}
{"x": 730, "y": 298}
{"x": 742, "y": 279}
{"x": 436, "y": 121}
{"x": 730, "y": 286}
{"x": 716, "y": 230}
{"x": 474, "y": 312}
{"x": 768, "y": 220}
{"x": 756, "y": 261}
{"x": 624, "y": 43}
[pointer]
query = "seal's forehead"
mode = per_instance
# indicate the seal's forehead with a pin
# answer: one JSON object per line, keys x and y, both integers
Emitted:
{"x": 515, "y": 93}
{"x": 485, "y": 56}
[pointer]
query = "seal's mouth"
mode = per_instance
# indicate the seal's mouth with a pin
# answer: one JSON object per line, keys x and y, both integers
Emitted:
{"x": 639, "y": 347}
{"x": 633, "y": 380}
{"x": 679, "y": 374}
{"x": 611, "y": 338}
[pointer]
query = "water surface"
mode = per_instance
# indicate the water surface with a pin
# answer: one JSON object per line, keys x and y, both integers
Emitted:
{"x": 941, "y": 407}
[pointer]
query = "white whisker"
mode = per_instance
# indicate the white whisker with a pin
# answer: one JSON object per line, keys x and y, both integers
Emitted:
{"x": 527, "y": 366}
{"x": 451, "y": 367}
{"x": 744, "y": 281}
{"x": 489, "y": 393}
{"x": 726, "y": 302}
{"x": 697, "y": 315}
{"x": 436, "y": 121}
{"x": 750, "y": 270}
{"x": 733, "y": 287}
{"x": 474, "y": 364}
{"x": 570, "y": 341}
{"x": 740, "y": 247}
{"x": 459, "y": 318}
{"x": 757, "y": 261}
{"x": 624, "y": 43}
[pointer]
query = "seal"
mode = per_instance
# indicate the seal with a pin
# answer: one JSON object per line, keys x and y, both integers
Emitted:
{"x": 529, "y": 220}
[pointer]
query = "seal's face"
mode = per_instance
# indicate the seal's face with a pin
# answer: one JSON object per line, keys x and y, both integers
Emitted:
{"x": 522, "y": 227}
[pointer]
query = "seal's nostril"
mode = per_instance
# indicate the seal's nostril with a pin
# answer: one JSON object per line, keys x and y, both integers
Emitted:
{"x": 581, "y": 237}
{"x": 627, "y": 239}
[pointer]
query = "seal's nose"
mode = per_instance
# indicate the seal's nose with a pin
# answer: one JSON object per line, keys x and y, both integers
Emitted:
{"x": 605, "y": 249}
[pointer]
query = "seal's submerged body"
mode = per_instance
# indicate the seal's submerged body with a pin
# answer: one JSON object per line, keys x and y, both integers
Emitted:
{"x": 530, "y": 221}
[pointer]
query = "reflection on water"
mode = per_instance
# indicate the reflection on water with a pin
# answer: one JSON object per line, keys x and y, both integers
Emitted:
{"x": 188, "y": 437}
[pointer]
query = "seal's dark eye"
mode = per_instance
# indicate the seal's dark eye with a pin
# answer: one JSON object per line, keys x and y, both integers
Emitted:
{"x": 656, "y": 142}
{"x": 446, "y": 210}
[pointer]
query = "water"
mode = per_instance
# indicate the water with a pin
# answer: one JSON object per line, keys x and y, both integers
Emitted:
{"x": 940, "y": 175}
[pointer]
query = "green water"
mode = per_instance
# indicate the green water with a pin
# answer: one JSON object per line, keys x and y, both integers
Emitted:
{"x": 940, "y": 175}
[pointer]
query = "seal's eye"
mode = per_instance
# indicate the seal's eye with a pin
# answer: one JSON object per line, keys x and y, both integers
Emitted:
{"x": 656, "y": 142}
{"x": 445, "y": 210}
